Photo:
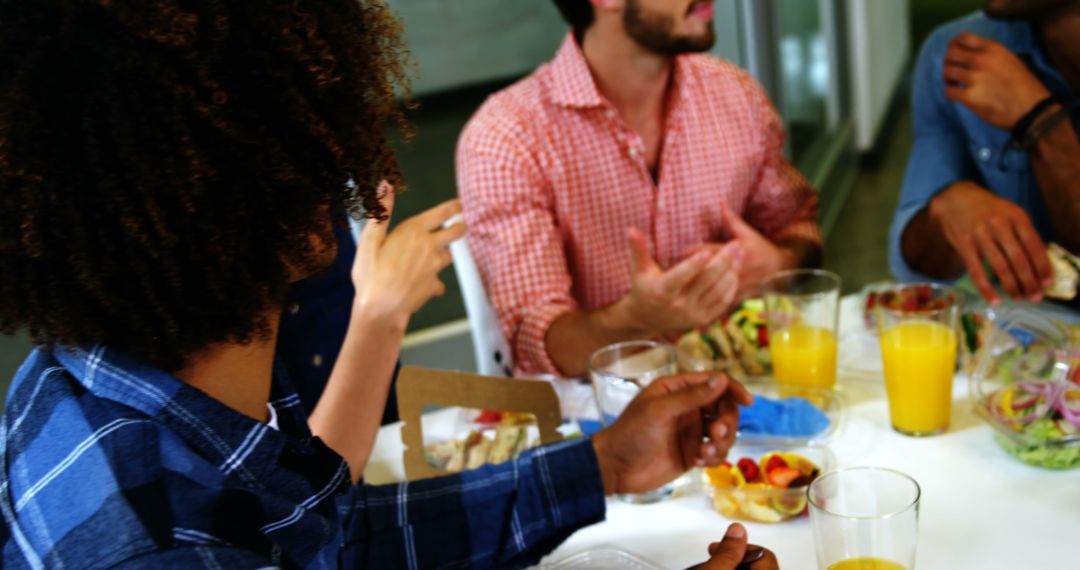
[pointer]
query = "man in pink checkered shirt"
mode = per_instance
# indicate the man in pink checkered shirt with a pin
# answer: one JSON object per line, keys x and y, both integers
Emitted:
{"x": 630, "y": 188}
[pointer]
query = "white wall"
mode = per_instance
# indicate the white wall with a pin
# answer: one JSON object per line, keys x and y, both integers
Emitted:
{"x": 880, "y": 48}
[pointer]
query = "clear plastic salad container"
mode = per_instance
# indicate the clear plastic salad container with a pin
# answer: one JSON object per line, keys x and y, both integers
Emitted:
{"x": 763, "y": 484}
{"x": 1026, "y": 385}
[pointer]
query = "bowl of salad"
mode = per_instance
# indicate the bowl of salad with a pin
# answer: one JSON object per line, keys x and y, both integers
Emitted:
{"x": 1026, "y": 385}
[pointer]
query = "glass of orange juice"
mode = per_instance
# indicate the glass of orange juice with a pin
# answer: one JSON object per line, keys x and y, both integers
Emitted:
{"x": 918, "y": 351}
{"x": 801, "y": 309}
{"x": 865, "y": 518}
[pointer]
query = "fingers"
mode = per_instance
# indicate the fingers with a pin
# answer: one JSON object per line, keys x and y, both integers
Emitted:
{"x": 716, "y": 299}
{"x": 955, "y": 93}
{"x": 722, "y": 429}
{"x": 640, "y": 258}
{"x": 728, "y": 553}
{"x": 736, "y": 225}
{"x": 956, "y": 75}
{"x": 973, "y": 263}
{"x": 999, "y": 246}
{"x": 1035, "y": 248}
{"x": 1019, "y": 259}
{"x": 374, "y": 233}
{"x": 988, "y": 250}
{"x": 677, "y": 278}
{"x": 688, "y": 431}
{"x": 970, "y": 41}
{"x": 715, "y": 270}
{"x": 434, "y": 218}
{"x": 738, "y": 393}
{"x": 960, "y": 57}
{"x": 691, "y": 398}
{"x": 445, "y": 236}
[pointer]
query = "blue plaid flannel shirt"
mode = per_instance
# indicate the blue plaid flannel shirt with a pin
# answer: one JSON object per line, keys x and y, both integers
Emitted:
{"x": 106, "y": 462}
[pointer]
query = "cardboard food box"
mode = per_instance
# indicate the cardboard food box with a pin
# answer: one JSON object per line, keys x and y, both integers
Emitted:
{"x": 421, "y": 388}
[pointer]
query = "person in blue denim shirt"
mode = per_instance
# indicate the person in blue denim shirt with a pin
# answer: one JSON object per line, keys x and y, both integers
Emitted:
{"x": 168, "y": 170}
{"x": 994, "y": 171}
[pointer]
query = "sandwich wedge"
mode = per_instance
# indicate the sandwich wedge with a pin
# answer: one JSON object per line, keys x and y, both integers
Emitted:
{"x": 1066, "y": 272}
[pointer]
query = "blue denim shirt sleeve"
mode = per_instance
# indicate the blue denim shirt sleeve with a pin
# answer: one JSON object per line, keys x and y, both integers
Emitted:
{"x": 939, "y": 155}
{"x": 506, "y": 516}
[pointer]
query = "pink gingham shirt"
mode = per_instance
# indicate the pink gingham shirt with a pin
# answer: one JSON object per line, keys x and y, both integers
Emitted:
{"x": 551, "y": 178}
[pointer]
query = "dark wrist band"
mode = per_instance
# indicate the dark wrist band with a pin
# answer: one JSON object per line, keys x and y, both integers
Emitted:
{"x": 1040, "y": 126}
{"x": 1022, "y": 126}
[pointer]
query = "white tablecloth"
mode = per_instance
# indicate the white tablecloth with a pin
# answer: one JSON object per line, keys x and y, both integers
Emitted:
{"x": 981, "y": 509}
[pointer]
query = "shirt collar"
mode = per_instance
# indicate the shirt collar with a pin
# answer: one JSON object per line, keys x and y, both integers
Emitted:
{"x": 572, "y": 82}
{"x": 239, "y": 444}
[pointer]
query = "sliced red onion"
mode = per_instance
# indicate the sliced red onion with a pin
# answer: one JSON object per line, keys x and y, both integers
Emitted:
{"x": 1025, "y": 402}
{"x": 1036, "y": 411}
{"x": 1067, "y": 410}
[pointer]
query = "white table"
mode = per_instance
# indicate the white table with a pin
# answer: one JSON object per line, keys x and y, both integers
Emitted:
{"x": 981, "y": 509}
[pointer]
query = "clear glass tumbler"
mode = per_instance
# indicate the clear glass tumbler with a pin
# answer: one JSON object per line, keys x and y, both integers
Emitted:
{"x": 619, "y": 372}
{"x": 865, "y": 518}
{"x": 918, "y": 352}
{"x": 802, "y": 309}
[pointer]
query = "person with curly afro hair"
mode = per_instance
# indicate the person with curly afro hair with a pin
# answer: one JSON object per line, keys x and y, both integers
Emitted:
{"x": 170, "y": 172}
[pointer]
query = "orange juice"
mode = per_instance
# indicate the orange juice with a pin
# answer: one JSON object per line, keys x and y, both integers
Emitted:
{"x": 804, "y": 356}
{"x": 866, "y": 564}
{"x": 920, "y": 359}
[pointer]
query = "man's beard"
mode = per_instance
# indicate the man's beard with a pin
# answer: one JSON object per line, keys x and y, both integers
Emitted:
{"x": 653, "y": 31}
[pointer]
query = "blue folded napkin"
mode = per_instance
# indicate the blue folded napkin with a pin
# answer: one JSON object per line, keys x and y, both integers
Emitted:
{"x": 790, "y": 417}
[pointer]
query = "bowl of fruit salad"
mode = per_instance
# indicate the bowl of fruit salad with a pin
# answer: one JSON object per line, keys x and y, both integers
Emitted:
{"x": 766, "y": 487}
{"x": 914, "y": 297}
{"x": 1026, "y": 385}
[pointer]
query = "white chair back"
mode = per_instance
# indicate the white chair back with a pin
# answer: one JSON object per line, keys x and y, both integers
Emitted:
{"x": 493, "y": 354}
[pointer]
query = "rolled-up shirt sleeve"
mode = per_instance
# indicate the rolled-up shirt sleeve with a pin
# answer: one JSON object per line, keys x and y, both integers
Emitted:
{"x": 939, "y": 154}
{"x": 513, "y": 234}
{"x": 506, "y": 516}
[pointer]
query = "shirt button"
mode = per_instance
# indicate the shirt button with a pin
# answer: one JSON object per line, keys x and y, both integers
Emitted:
{"x": 634, "y": 153}
{"x": 985, "y": 153}
{"x": 610, "y": 113}
{"x": 294, "y": 308}
{"x": 317, "y": 360}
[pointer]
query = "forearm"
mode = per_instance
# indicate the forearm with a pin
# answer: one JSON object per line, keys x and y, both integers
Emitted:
{"x": 1056, "y": 160}
{"x": 575, "y": 335}
{"x": 505, "y": 515}
{"x": 926, "y": 249}
{"x": 348, "y": 414}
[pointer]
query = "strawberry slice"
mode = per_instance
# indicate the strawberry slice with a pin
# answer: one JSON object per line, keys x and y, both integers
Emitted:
{"x": 783, "y": 476}
{"x": 749, "y": 469}
{"x": 775, "y": 462}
